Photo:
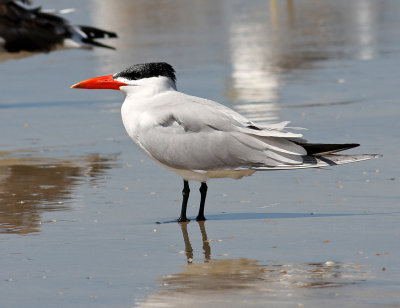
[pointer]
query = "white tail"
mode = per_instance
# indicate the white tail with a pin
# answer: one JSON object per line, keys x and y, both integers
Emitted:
{"x": 322, "y": 161}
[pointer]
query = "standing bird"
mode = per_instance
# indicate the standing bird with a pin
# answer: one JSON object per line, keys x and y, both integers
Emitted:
{"x": 200, "y": 139}
{"x": 33, "y": 30}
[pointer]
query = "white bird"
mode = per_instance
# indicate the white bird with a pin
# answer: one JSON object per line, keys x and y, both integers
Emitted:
{"x": 200, "y": 139}
{"x": 35, "y": 30}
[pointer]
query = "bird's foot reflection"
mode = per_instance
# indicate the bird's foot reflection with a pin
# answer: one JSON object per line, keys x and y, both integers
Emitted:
{"x": 188, "y": 245}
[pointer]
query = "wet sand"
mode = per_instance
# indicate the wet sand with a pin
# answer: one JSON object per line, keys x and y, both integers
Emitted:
{"x": 85, "y": 217}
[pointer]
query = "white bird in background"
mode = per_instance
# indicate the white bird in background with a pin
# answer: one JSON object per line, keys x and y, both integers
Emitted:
{"x": 200, "y": 139}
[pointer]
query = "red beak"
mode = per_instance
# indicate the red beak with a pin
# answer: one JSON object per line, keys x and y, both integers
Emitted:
{"x": 102, "y": 82}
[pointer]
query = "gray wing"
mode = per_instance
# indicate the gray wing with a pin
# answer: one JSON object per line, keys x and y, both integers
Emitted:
{"x": 197, "y": 134}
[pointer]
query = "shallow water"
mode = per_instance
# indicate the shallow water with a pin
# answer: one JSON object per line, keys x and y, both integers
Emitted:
{"x": 85, "y": 217}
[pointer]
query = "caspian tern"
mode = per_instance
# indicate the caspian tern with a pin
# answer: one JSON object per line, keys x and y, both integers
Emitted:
{"x": 34, "y": 30}
{"x": 200, "y": 139}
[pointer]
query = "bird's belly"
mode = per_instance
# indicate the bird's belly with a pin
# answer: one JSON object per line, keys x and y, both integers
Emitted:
{"x": 203, "y": 176}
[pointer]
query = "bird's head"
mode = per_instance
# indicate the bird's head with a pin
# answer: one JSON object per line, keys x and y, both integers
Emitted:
{"x": 147, "y": 75}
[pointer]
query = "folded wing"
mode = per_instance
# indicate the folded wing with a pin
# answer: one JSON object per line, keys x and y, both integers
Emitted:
{"x": 197, "y": 134}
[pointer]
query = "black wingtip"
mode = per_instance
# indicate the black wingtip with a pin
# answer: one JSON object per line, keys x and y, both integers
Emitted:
{"x": 326, "y": 148}
{"x": 93, "y": 33}
{"x": 97, "y": 44}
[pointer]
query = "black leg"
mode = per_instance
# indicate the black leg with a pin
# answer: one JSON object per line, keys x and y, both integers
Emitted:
{"x": 203, "y": 192}
{"x": 185, "y": 195}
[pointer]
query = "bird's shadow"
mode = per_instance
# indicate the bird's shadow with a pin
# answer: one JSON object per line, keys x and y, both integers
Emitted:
{"x": 263, "y": 216}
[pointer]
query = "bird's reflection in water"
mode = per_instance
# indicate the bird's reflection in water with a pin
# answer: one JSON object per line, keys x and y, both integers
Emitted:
{"x": 31, "y": 186}
{"x": 188, "y": 245}
{"x": 238, "y": 282}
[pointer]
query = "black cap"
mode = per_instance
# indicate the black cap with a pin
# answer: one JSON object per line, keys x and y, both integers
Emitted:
{"x": 147, "y": 70}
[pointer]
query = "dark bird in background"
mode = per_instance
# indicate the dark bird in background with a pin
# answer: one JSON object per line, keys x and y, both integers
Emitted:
{"x": 34, "y": 30}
